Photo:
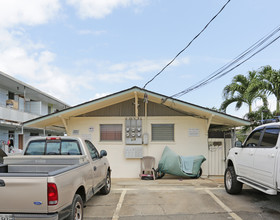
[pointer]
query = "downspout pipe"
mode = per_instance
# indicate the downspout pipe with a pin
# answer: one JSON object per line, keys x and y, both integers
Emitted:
{"x": 136, "y": 104}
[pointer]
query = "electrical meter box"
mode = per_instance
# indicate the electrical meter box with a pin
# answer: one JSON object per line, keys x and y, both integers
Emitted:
{"x": 133, "y": 131}
{"x": 133, "y": 152}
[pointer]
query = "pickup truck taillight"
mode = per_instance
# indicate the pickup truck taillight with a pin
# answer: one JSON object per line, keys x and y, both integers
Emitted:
{"x": 52, "y": 194}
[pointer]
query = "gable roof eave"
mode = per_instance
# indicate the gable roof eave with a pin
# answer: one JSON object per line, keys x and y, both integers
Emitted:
{"x": 129, "y": 93}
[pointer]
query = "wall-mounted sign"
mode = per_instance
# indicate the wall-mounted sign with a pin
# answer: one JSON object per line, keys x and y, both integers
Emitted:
{"x": 75, "y": 132}
{"x": 194, "y": 132}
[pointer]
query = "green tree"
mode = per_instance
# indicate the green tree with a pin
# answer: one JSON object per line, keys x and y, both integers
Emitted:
{"x": 269, "y": 82}
{"x": 243, "y": 90}
{"x": 257, "y": 118}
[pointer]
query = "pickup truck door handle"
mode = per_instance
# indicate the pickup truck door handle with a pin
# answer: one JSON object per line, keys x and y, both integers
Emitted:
{"x": 272, "y": 155}
{"x": 2, "y": 183}
{"x": 94, "y": 168}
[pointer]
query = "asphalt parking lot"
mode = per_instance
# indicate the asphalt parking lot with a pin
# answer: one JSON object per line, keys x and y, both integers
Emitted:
{"x": 180, "y": 199}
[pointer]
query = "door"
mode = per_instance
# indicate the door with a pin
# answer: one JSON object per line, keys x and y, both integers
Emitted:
{"x": 265, "y": 157}
{"x": 216, "y": 156}
{"x": 96, "y": 163}
{"x": 244, "y": 156}
{"x": 20, "y": 141}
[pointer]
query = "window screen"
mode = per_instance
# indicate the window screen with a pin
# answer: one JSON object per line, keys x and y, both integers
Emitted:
{"x": 270, "y": 137}
{"x": 111, "y": 132}
{"x": 162, "y": 132}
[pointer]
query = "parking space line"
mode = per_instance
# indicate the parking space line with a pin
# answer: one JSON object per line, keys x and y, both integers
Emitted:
{"x": 119, "y": 205}
{"x": 226, "y": 208}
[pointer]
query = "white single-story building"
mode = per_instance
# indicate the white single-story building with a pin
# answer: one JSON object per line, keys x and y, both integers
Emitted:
{"x": 136, "y": 122}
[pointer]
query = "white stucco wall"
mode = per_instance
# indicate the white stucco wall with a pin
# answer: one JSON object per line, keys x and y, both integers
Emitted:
{"x": 184, "y": 143}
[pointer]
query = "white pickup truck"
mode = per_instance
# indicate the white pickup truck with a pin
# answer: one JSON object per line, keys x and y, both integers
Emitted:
{"x": 53, "y": 179}
{"x": 256, "y": 162}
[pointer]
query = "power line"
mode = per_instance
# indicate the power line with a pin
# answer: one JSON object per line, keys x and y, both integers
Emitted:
{"x": 239, "y": 60}
{"x": 187, "y": 45}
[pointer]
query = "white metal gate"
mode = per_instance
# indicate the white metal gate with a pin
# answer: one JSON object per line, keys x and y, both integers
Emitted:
{"x": 216, "y": 155}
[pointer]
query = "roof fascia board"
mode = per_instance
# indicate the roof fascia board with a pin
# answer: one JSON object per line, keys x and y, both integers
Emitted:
{"x": 141, "y": 91}
{"x": 77, "y": 107}
{"x": 210, "y": 112}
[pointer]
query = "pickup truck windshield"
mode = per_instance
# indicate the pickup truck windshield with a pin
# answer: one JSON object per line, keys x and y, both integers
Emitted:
{"x": 53, "y": 147}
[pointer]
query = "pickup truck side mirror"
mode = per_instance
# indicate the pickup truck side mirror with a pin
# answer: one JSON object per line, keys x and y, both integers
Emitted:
{"x": 238, "y": 144}
{"x": 103, "y": 153}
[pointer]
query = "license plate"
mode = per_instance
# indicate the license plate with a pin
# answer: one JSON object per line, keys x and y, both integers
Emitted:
{"x": 6, "y": 217}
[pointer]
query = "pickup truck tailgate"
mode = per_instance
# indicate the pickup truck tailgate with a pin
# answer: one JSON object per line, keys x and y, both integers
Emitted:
{"x": 23, "y": 194}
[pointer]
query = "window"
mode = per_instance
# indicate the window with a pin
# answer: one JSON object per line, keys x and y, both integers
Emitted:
{"x": 70, "y": 148}
{"x": 253, "y": 139}
{"x": 92, "y": 150}
{"x": 32, "y": 134}
{"x": 49, "y": 109}
{"x": 162, "y": 132}
{"x": 36, "y": 148}
{"x": 11, "y": 95}
{"x": 53, "y": 147}
{"x": 111, "y": 132}
{"x": 270, "y": 137}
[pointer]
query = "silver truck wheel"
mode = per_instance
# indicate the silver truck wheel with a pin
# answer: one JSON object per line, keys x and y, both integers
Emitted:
{"x": 78, "y": 211}
{"x": 107, "y": 187}
{"x": 228, "y": 180}
{"x": 76, "y": 208}
{"x": 231, "y": 183}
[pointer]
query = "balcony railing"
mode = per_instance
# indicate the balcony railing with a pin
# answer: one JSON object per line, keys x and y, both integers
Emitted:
{"x": 11, "y": 114}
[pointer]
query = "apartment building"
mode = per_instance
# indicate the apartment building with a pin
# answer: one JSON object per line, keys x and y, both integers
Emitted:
{"x": 21, "y": 102}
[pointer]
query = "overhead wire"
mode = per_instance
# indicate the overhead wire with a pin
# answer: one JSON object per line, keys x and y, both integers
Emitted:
{"x": 239, "y": 60}
{"x": 187, "y": 45}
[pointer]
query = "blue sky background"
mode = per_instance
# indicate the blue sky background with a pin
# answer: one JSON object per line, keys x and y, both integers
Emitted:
{"x": 79, "y": 50}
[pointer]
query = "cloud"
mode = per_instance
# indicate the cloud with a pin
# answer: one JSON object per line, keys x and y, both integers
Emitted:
{"x": 27, "y": 12}
{"x": 91, "y": 32}
{"x": 101, "y": 8}
{"x": 30, "y": 61}
{"x": 34, "y": 64}
{"x": 107, "y": 71}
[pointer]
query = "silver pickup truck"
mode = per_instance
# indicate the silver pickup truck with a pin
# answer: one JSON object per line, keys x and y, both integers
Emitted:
{"x": 53, "y": 179}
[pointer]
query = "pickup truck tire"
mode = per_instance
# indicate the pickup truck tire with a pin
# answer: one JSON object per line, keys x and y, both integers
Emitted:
{"x": 107, "y": 187}
{"x": 231, "y": 184}
{"x": 76, "y": 208}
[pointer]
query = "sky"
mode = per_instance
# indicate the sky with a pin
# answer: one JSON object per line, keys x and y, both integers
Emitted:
{"x": 80, "y": 50}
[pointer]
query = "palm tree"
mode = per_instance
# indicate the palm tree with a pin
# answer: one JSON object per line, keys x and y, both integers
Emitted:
{"x": 269, "y": 82}
{"x": 242, "y": 90}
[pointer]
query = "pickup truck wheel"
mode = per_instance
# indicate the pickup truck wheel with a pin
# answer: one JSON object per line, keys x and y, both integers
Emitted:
{"x": 107, "y": 187}
{"x": 76, "y": 208}
{"x": 231, "y": 184}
